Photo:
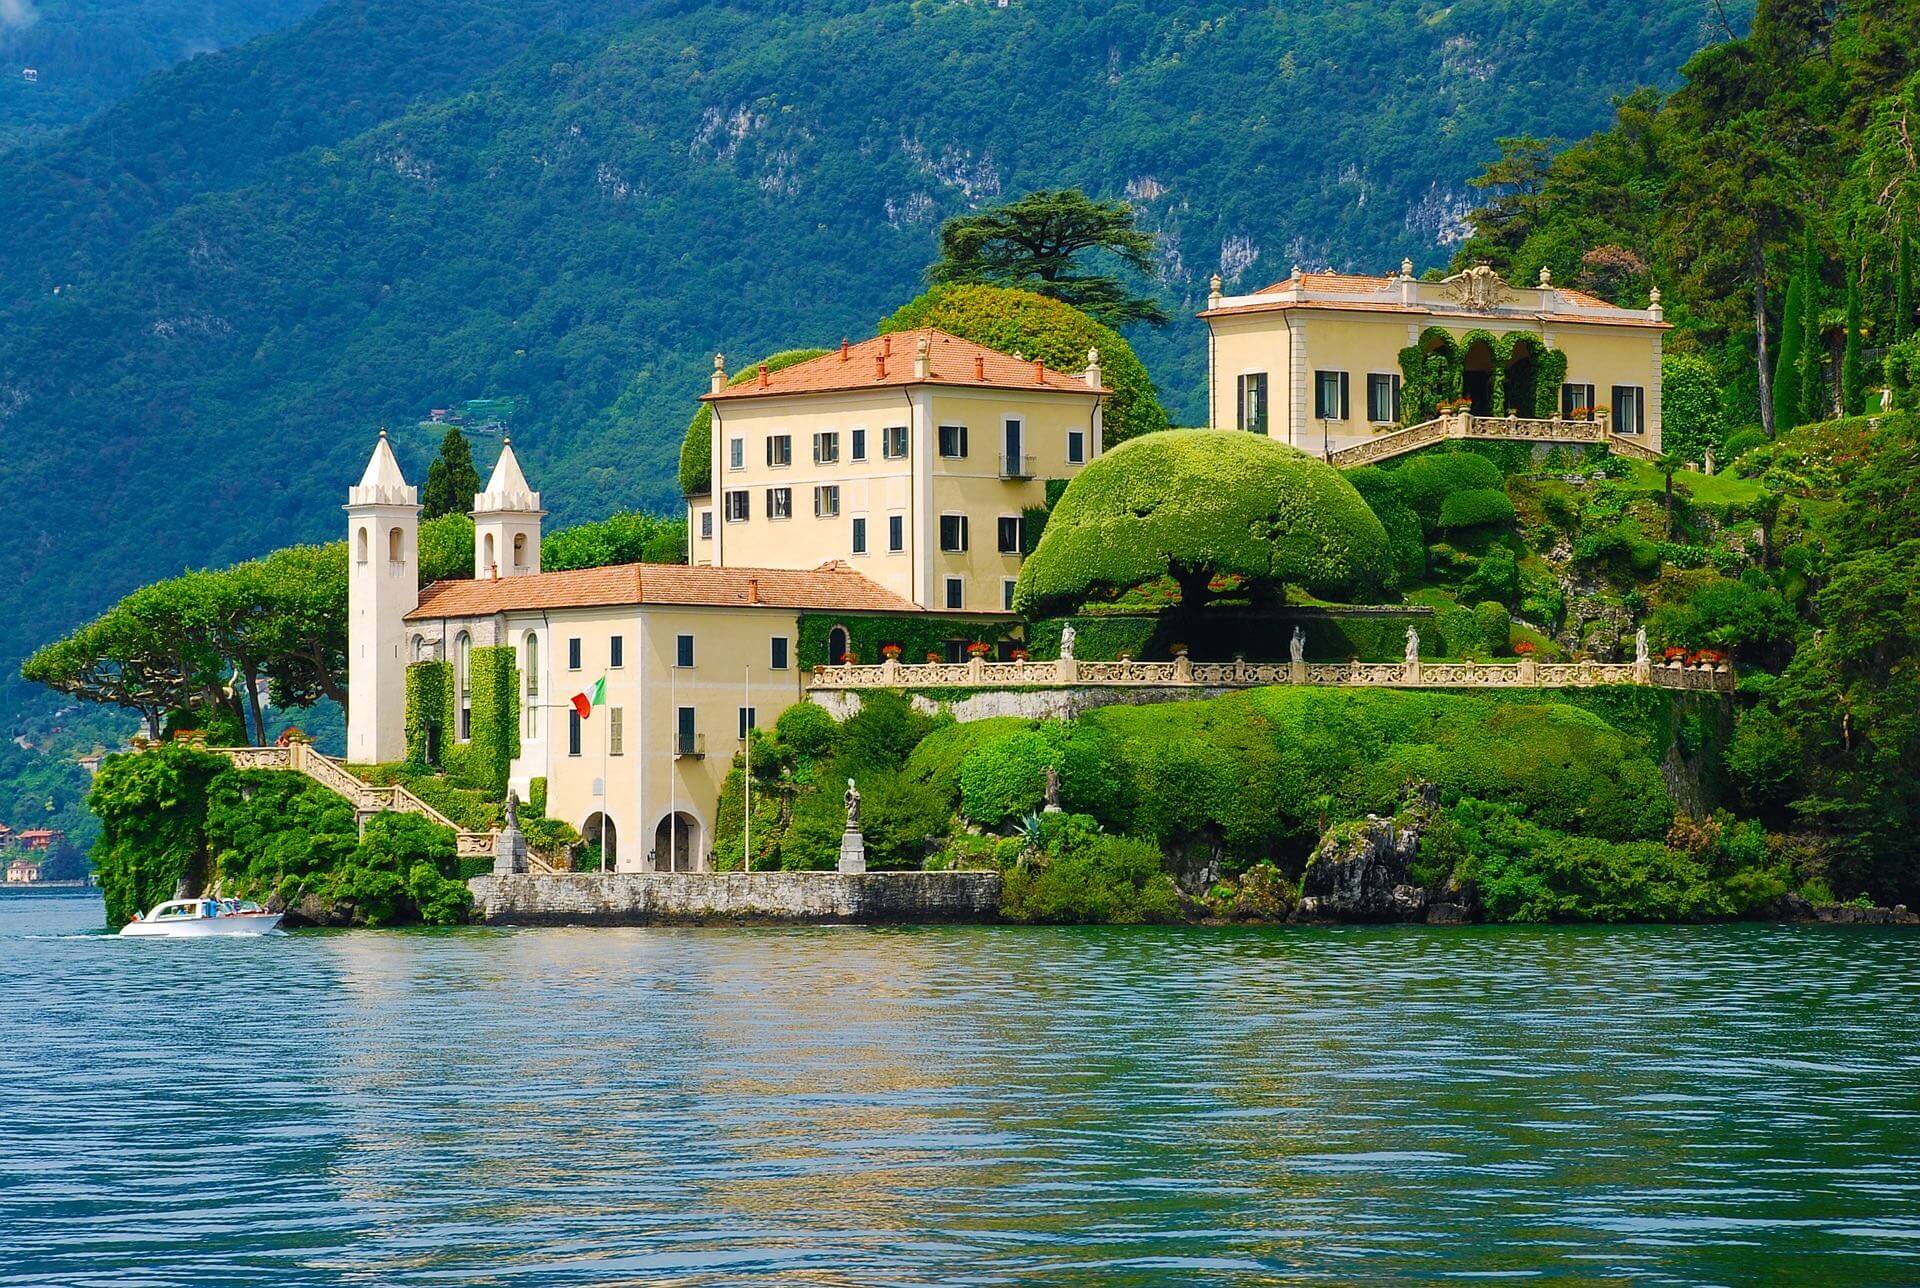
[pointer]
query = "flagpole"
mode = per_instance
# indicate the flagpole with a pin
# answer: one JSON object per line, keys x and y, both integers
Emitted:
{"x": 604, "y": 722}
{"x": 673, "y": 769}
{"x": 746, "y": 782}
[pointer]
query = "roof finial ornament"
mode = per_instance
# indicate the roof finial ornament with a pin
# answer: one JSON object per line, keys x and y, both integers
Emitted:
{"x": 1546, "y": 277}
{"x": 1406, "y": 268}
{"x": 719, "y": 372}
{"x": 1213, "y": 291}
{"x": 1657, "y": 313}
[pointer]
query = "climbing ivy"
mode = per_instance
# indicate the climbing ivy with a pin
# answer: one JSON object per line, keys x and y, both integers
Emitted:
{"x": 1434, "y": 371}
{"x": 494, "y": 729}
{"x": 429, "y": 704}
{"x": 1430, "y": 373}
{"x": 1549, "y": 371}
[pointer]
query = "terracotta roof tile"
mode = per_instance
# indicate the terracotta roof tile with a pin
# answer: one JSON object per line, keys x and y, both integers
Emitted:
{"x": 886, "y": 361}
{"x": 1356, "y": 283}
{"x": 832, "y": 585}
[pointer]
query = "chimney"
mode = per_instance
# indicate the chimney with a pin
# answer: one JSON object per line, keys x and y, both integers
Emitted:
{"x": 1093, "y": 368}
{"x": 719, "y": 372}
{"x": 1039, "y": 372}
{"x": 843, "y": 348}
{"x": 886, "y": 346}
{"x": 979, "y": 367}
{"x": 761, "y": 379}
{"x": 753, "y": 590}
{"x": 922, "y": 358}
{"x": 880, "y": 366}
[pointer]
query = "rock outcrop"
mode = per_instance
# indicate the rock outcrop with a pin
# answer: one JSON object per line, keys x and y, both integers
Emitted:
{"x": 1359, "y": 871}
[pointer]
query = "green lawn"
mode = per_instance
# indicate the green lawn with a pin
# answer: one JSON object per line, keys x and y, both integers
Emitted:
{"x": 1706, "y": 489}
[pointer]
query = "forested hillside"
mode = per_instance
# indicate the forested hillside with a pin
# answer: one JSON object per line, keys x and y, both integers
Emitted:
{"x": 211, "y": 293}
{"x": 85, "y": 54}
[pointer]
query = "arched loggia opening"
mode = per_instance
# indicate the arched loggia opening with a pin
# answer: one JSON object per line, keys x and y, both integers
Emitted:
{"x": 1522, "y": 368}
{"x": 676, "y": 844}
{"x": 1478, "y": 367}
{"x": 599, "y": 830}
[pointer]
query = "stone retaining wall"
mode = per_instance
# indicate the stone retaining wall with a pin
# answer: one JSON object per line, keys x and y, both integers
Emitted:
{"x": 691, "y": 898}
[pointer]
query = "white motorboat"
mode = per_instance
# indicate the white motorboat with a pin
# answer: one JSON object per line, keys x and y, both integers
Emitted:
{"x": 198, "y": 918}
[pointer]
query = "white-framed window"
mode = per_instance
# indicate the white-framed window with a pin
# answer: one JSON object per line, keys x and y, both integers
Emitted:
{"x": 616, "y": 731}
{"x": 738, "y": 507}
{"x": 683, "y": 651}
{"x": 893, "y": 442}
{"x": 706, "y": 525}
{"x": 860, "y": 534}
{"x": 1076, "y": 446}
{"x": 956, "y": 592}
{"x": 1629, "y": 409}
{"x": 826, "y": 447}
{"x": 1010, "y": 533}
{"x": 857, "y": 445}
{"x": 826, "y": 501}
{"x": 779, "y": 652}
{"x": 953, "y": 441}
{"x": 1330, "y": 395}
{"x": 1006, "y": 593}
{"x": 1252, "y": 402}
{"x": 617, "y": 651}
{"x": 736, "y": 453}
{"x": 953, "y": 533}
{"x": 896, "y": 533}
{"x": 779, "y": 450}
{"x": 779, "y": 503}
{"x": 1383, "y": 397}
{"x": 1575, "y": 400}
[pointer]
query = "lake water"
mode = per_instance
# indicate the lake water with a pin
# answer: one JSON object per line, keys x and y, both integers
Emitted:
{"x": 958, "y": 1106}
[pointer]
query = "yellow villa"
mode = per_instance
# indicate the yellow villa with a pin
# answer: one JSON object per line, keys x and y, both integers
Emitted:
{"x": 1327, "y": 362}
{"x": 910, "y": 456}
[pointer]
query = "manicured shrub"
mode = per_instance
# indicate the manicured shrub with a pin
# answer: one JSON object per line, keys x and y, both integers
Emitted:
{"x": 1742, "y": 441}
{"x": 1406, "y": 559}
{"x": 807, "y": 729}
{"x": 884, "y": 732}
{"x": 1426, "y": 479}
{"x": 1689, "y": 406}
{"x": 1474, "y": 507}
{"x": 1495, "y": 577}
{"x": 1495, "y": 625}
{"x": 1080, "y": 875}
{"x": 696, "y": 445}
{"x": 1200, "y": 504}
{"x": 1015, "y": 321}
{"x": 900, "y": 818}
{"x": 1746, "y": 618}
{"x": 1005, "y": 779}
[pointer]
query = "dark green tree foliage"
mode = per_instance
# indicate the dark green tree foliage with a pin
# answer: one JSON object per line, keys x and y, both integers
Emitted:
{"x": 1790, "y": 368}
{"x": 1200, "y": 504}
{"x": 1903, "y": 286}
{"x": 152, "y": 812}
{"x": 452, "y": 480}
{"x": 1816, "y": 390}
{"x": 1853, "y": 369}
{"x": 1690, "y": 422}
{"x": 621, "y": 539}
{"x": 1058, "y": 334}
{"x": 1051, "y": 242}
{"x": 1406, "y": 541}
{"x": 696, "y": 447}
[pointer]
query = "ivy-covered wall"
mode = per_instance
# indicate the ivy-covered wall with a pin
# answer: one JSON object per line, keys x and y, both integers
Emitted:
{"x": 1526, "y": 374}
{"x": 482, "y": 761}
{"x": 916, "y": 636}
{"x": 429, "y": 705}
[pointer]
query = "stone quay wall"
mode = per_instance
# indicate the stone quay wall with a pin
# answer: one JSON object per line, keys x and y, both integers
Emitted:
{"x": 695, "y": 898}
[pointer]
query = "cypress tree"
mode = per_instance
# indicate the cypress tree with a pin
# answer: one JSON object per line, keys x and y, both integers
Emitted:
{"x": 1816, "y": 389}
{"x": 451, "y": 479}
{"x": 1786, "y": 363}
{"x": 1903, "y": 288}
{"x": 1853, "y": 372}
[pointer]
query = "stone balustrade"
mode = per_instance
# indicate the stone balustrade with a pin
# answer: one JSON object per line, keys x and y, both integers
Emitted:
{"x": 1464, "y": 426}
{"x": 1523, "y": 673}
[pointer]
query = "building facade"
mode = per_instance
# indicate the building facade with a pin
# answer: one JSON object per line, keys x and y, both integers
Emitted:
{"x": 912, "y": 457}
{"x": 1324, "y": 361}
{"x": 673, "y": 664}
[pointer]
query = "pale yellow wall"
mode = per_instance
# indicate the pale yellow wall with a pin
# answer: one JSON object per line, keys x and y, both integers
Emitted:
{"x": 918, "y": 489}
{"x": 646, "y": 781}
{"x": 1290, "y": 345}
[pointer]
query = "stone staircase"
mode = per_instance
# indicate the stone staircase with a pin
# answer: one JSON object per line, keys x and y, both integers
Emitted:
{"x": 1464, "y": 426}
{"x": 367, "y": 799}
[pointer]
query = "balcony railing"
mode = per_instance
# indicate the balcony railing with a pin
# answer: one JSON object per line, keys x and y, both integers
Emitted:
{"x": 1015, "y": 465}
{"x": 689, "y": 746}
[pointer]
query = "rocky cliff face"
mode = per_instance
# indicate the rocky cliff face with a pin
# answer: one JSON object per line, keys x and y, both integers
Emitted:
{"x": 1359, "y": 871}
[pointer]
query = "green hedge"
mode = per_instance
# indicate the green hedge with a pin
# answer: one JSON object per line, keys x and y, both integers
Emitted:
{"x": 916, "y": 636}
{"x": 1427, "y": 479}
{"x": 1406, "y": 539}
{"x": 1197, "y": 504}
{"x": 1474, "y": 507}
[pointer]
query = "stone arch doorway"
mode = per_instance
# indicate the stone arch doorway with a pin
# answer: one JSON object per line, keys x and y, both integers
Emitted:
{"x": 608, "y": 840}
{"x": 838, "y": 642}
{"x": 676, "y": 844}
{"x": 1477, "y": 362}
{"x": 1522, "y": 375}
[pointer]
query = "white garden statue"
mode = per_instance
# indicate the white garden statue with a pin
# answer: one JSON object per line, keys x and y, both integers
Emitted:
{"x": 1640, "y": 657}
{"x": 1066, "y": 642}
{"x": 1413, "y": 647}
{"x": 1298, "y": 648}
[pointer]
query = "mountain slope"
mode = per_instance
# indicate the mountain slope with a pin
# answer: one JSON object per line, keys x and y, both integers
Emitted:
{"x": 583, "y": 226}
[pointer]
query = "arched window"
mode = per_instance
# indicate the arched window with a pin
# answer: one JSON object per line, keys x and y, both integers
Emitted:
{"x": 463, "y": 684}
{"x": 519, "y": 549}
{"x": 837, "y": 645}
{"x": 486, "y": 557}
{"x": 360, "y": 547}
{"x": 394, "y": 541}
{"x": 530, "y": 665}
{"x": 417, "y": 648}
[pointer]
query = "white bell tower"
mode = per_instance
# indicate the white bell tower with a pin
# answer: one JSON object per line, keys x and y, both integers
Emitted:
{"x": 383, "y": 586}
{"x": 506, "y": 522}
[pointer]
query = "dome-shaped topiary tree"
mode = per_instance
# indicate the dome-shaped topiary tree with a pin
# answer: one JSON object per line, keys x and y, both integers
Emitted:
{"x": 696, "y": 449}
{"x": 1194, "y": 504}
{"x": 1058, "y": 334}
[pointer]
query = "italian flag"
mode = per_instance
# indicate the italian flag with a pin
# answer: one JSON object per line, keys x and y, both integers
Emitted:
{"x": 584, "y": 703}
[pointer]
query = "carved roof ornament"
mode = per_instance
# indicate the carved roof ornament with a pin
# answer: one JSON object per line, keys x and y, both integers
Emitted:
{"x": 1478, "y": 288}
